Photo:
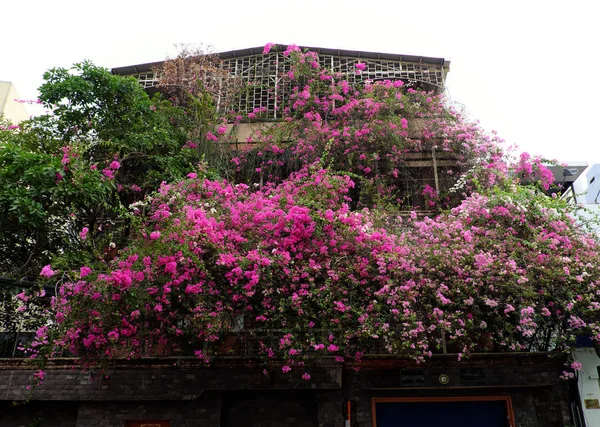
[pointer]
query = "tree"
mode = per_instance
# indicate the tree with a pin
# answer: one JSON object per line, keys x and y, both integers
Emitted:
{"x": 112, "y": 117}
{"x": 105, "y": 145}
{"x": 46, "y": 200}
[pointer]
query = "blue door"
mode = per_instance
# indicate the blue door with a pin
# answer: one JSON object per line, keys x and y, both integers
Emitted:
{"x": 442, "y": 414}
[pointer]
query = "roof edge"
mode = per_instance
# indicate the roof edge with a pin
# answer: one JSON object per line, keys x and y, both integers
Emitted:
{"x": 142, "y": 68}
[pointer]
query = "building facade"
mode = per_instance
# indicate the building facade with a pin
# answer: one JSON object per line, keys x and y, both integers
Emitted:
{"x": 239, "y": 389}
{"x": 492, "y": 390}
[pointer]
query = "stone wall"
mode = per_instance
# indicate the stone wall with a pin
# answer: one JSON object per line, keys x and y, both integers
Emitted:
{"x": 269, "y": 408}
{"x": 205, "y": 411}
{"x": 243, "y": 395}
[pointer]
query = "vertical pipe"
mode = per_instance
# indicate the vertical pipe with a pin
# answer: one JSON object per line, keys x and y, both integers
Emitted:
{"x": 220, "y": 93}
{"x": 348, "y": 416}
{"x": 435, "y": 171}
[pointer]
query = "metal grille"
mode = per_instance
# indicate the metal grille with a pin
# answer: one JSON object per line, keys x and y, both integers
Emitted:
{"x": 430, "y": 75}
{"x": 263, "y": 87}
{"x": 262, "y": 82}
{"x": 147, "y": 79}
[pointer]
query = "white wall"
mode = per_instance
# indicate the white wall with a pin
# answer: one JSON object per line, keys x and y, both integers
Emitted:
{"x": 9, "y": 108}
{"x": 587, "y": 186}
{"x": 588, "y": 383}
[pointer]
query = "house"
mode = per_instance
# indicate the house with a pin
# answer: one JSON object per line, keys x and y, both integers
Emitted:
{"x": 489, "y": 388}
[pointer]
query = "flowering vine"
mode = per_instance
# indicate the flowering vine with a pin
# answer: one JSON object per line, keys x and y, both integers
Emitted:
{"x": 504, "y": 271}
{"x": 319, "y": 259}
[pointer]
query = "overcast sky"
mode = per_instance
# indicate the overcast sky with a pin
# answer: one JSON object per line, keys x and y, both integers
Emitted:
{"x": 528, "y": 69}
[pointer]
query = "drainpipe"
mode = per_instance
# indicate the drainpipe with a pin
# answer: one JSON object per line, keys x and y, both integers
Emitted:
{"x": 435, "y": 171}
{"x": 348, "y": 416}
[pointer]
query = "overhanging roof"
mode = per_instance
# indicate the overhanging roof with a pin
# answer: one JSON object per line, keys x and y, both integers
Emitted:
{"x": 142, "y": 68}
{"x": 568, "y": 173}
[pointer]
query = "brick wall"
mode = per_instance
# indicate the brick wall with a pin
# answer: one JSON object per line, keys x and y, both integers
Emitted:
{"x": 269, "y": 409}
{"x": 228, "y": 396}
{"x": 202, "y": 412}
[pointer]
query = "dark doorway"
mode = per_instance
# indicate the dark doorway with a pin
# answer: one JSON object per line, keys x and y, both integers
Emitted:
{"x": 447, "y": 412}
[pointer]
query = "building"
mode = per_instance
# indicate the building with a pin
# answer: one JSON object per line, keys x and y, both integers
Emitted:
{"x": 583, "y": 188}
{"x": 258, "y": 77}
{"x": 10, "y": 108}
{"x": 260, "y": 73}
{"x": 492, "y": 389}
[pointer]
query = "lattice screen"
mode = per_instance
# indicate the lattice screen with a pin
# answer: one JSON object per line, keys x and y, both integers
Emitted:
{"x": 148, "y": 79}
{"x": 263, "y": 86}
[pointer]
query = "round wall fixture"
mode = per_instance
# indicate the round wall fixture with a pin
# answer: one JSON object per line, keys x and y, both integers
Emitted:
{"x": 444, "y": 379}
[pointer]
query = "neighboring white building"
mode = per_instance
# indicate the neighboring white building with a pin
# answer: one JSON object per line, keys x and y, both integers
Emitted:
{"x": 588, "y": 386}
{"x": 9, "y": 108}
{"x": 587, "y": 186}
{"x": 583, "y": 188}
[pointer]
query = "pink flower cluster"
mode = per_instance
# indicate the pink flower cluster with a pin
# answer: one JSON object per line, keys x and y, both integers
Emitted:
{"x": 296, "y": 260}
{"x": 325, "y": 261}
{"x": 109, "y": 172}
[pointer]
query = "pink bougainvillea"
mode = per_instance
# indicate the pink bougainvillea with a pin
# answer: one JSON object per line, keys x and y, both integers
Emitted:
{"x": 499, "y": 272}
{"x": 313, "y": 243}
{"x": 268, "y": 48}
{"x": 372, "y": 129}
{"x": 47, "y": 271}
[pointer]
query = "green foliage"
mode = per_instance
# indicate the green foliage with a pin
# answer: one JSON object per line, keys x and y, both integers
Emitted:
{"x": 45, "y": 203}
{"x": 105, "y": 145}
{"x": 113, "y": 117}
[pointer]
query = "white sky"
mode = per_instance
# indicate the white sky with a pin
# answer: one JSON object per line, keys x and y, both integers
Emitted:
{"x": 529, "y": 69}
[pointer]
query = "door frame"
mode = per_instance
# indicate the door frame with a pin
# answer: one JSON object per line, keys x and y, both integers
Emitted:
{"x": 507, "y": 399}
